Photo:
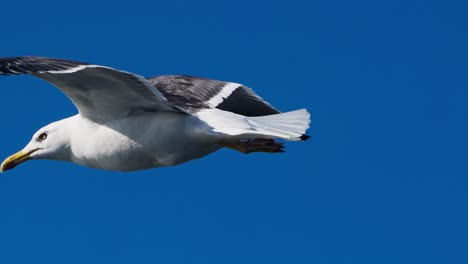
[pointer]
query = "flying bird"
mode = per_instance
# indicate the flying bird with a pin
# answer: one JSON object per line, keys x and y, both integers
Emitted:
{"x": 126, "y": 122}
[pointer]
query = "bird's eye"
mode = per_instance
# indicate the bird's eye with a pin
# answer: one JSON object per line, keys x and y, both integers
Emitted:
{"x": 42, "y": 137}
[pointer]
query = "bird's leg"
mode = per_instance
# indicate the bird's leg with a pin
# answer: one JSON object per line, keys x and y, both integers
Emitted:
{"x": 255, "y": 145}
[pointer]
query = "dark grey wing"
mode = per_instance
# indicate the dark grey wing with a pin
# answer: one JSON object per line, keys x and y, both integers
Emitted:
{"x": 244, "y": 101}
{"x": 100, "y": 93}
{"x": 193, "y": 93}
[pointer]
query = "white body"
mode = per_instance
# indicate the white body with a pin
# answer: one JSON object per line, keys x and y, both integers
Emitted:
{"x": 126, "y": 145}
{"x": 155, "y": 139}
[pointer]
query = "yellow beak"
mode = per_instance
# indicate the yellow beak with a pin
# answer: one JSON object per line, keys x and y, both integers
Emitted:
{"x": 15, "y": 160}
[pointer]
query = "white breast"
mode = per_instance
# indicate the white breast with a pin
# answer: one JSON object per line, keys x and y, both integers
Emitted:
{"x": 139, "y": 142}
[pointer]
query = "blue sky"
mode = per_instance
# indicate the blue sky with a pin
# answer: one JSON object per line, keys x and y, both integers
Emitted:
{"x": 383, "y": 178}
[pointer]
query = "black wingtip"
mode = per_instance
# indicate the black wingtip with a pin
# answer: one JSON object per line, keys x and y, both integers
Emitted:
{"x": 32, "y": 64}
{"x": 304, "y": 137}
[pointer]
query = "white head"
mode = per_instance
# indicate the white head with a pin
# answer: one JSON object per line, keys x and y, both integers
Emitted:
{"x": 49, "y": 142}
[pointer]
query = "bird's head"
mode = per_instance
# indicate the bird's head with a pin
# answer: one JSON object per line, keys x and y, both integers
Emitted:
{"x": 49, "y": 142}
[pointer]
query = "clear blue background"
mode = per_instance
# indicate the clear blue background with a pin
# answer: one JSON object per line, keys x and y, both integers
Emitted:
{"x": 383, "y": 178}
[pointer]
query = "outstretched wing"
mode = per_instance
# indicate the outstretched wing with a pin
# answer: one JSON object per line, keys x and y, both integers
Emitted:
{"x": 100, "y": 93}
{"x": 192, "y": 94}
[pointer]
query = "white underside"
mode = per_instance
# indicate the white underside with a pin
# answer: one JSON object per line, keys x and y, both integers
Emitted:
{"x": 157, "y": 139}
{"x": 140, "y": 142}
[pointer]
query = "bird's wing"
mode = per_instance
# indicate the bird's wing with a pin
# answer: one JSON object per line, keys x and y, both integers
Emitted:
{"x": 192, "y": 94}
{"x": 100, "y": 93}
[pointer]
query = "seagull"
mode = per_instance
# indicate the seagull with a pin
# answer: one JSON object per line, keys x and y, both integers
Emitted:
{"x": 126, "y": 122}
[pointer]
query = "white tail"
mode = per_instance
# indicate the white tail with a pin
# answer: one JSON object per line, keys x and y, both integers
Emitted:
{"x": 289, "y": 126}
